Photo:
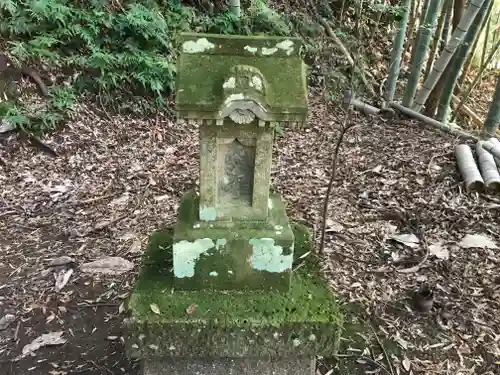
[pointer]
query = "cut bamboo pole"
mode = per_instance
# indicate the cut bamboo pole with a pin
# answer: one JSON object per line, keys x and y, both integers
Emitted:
{"x": 488, "y": 168}
{"x": 430, "y": 121}
{"x": 492, "y": 147}
{"x": 468, "y": 168}
{"x": 496, "y": 142}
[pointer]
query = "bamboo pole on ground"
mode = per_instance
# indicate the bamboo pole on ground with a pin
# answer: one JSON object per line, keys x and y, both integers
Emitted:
{"x": 492, "y": 147}
{"x": 488, "y": 168}
{"x": 468, "y": 168}
{"x": 496, "y": 142}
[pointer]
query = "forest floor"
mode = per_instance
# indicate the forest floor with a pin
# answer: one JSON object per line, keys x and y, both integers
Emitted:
{"x": 117, "y": 179}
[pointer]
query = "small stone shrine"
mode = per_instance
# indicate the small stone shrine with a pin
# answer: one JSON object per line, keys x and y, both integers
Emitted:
{"x": 216, "y": 293}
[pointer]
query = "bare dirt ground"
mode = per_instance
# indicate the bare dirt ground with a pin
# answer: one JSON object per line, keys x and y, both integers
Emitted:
{"x": 120, "y": 178}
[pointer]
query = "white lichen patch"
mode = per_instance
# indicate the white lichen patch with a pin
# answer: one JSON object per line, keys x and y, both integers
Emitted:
{"x": 269, "y": 51}
{"x": 266, "y": 256}
{"x": 256, "y": 83}
{"x": 252, "y": 50}
{"x": 220, "y": 243}
{"x": 230, "y": 83}
{"x": 208, "y": 213}
{"x": 312, "y": 337}
{"x": 198, "y": 46}
{"x": 234, "y": 97}
{"x": 286, "y": 45}
{"x": 213, "y": 273}
{"x": 186, "y": 254}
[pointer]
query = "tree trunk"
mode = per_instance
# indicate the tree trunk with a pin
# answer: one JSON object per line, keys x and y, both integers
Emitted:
{"x": 444, "y": 59}
{"x": 397, "y": 50}
{"x": 427, "y": 28}
{"x": 432, "y": 103}
{"x": 437, "y": 38}
{"x": 493, "y": 118}
{"x": 458, "y": 61}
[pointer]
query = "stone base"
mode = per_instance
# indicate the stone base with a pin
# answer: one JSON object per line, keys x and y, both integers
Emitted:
{"x": 230, "y": 366}
{"x": 232, "y": 255}
{"x": 304, "y": 322}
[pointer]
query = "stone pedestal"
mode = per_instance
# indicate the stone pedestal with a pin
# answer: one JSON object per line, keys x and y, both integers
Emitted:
{"x": 247, "y": 325}
{"x": 231, "y": 366}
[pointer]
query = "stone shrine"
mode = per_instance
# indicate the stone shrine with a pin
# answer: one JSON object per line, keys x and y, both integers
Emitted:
{"x": 221, "y": 279}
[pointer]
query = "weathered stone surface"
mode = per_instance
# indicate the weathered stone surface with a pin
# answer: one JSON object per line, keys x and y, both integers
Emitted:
{"x": 306, "y": 321}
{"x": 231, "y": 366}
{"x": 235, "y": 168}
{"x": 262, "y": 74}
{"x": 241, "y": 255}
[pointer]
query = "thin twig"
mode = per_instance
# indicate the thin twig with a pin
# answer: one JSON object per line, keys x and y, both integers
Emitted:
{"x": 382, "y": 347}
{"x": 343, "y": 131}
{"x": 37, "y": 142}
{"x": 363, "y": 358}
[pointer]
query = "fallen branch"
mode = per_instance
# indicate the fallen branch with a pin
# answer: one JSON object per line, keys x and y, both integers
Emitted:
{"x": 329, "y": 32}
{"x": 467, "y": 111}
{"x": 343, "y": 131}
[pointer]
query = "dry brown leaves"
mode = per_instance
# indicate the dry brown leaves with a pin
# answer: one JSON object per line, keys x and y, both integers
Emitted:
{"x": 117, "y": 181}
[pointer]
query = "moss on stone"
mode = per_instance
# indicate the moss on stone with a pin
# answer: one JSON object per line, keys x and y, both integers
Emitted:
{"x": 201, "y": 75}
{"x": 235, "y": 264}
{"x": 304, "y": 321}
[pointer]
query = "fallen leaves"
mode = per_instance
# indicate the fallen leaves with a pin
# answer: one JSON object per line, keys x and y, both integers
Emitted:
{"x": 108, "y": 266}
{"x": 440, "y": 252}
{"x": 6, "y": 321}
{"x": 407, "y": 239}
{"x": 47, "y": 339}
{"x": 154, "y": 308}
{"x": 477, "y": 241}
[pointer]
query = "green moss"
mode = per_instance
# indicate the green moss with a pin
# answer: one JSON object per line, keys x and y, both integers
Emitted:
{"x": 304, "y": 321}
{"x": 201, "y": 75}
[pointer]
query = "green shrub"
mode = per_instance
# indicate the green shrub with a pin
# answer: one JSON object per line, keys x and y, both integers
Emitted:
{"x": 112, "y": 48}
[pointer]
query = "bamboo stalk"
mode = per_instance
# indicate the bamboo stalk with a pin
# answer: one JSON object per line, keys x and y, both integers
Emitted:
{"x": 468, "y": 168}
{"x": 459, "y": 60}
{"x": 492, "y": 120}
{"x": 449, "y": 50}
{"x": 397, "y": 51}
{"x": 235, "y": 7}
{"x": 425, "y": 32}
{"x": 437, "y": 37}
{"x": 465, "y": 95}
{"x": 488, "y": 168}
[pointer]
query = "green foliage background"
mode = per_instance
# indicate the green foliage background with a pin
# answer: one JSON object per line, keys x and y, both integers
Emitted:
{"x": 109, "y": 47}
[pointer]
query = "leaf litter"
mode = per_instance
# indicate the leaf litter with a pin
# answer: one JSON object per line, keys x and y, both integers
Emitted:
{"x": 50, "y": 209}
